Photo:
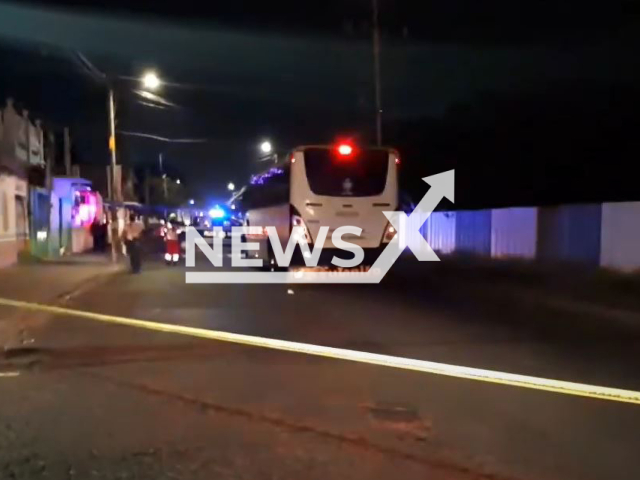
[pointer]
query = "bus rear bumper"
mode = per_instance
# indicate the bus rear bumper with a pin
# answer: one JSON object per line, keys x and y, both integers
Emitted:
{"x": 328, "y": 254}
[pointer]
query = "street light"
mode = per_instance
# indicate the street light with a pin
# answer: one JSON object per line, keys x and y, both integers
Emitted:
{"x": 178, "y": 181}
{"x": 231, "y": 186}
{"x": 150, "y": 81}
{"x": 192, "y": 202}
{"x": 265, "y": 147}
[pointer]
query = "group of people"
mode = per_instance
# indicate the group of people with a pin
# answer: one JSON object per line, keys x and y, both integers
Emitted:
{"x": 132, "y": 236}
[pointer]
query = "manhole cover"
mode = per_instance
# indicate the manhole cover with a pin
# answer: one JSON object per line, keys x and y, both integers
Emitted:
{"x": 394, "y": 413}
{"x": 402, "y": 419}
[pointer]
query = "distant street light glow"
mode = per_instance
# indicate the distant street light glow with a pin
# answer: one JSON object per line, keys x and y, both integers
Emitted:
{"x": 150, "y": 81}
{"x": 265, "y": 147}
{"x": 178, "y": 181}
{"x": 231, "y": 186}
{"x": 192, "y": 202}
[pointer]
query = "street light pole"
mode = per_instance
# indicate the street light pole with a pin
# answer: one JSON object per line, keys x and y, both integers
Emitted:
{"x": 376, "y": 72}
{"x": 112, "y": 141}
{"x": 164, "y": 177}
{"x": 149, "y": 81}
{"x": 164, "y": 183}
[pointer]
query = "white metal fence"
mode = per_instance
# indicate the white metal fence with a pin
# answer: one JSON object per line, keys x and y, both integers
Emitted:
{"x": 606, "y": 235}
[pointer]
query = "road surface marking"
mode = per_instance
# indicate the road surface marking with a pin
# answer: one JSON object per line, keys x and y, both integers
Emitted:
{"x": 470, "y": 373}
{"x": 9, "y": 374}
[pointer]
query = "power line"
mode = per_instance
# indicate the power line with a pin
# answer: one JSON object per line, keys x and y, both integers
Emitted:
{"x": 163, "y": 139}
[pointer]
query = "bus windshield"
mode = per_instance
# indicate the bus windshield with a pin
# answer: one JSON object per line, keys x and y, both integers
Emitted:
{"x": 363, "y": 173}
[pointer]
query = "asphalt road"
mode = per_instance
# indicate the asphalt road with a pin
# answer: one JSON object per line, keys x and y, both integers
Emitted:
{"x": 102, "y": 401}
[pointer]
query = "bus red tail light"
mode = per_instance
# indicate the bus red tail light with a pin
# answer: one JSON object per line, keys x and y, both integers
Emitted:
{"x": 345, "y": 149}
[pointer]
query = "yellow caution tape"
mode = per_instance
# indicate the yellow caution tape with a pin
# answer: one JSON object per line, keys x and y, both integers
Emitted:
{"x": 491, "y": 376}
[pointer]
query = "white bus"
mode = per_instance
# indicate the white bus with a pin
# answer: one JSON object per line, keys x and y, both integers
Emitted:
{"x": 325, "y": 185}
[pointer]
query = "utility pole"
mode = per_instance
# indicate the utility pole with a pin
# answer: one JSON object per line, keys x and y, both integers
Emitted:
{"x": 376, "y": 72}
{"x": 147, "y": 188}
{"x": 164, "y": 179}
{"x": 164, "y": 183}
{"x": 67, "y": 151}
{"x": 49, "y": 156}
{"x": 114, "y": 189}
{"x": 112, "y": 143}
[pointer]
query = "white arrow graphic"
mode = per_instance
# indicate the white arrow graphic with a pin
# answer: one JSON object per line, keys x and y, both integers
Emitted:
{"x": 442, "y": 186}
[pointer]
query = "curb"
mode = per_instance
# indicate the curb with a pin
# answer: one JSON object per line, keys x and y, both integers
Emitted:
{"x": 88, "y": 284}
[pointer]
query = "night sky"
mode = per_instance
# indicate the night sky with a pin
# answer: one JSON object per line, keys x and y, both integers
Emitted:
{"x": 483, "y": 89}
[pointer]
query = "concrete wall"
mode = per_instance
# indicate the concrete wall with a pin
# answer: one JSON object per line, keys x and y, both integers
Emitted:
{"x": 81, "y": 240}
{"x": 12, "y": 219}
{"x": 514, "y": 232}
{"x": 8, "y": 247}
{"x": 620, "y": 239}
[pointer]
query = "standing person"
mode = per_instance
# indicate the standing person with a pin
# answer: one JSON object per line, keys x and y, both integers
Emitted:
{"x": 99, "y": 233}
{"x": 171, "y": 245}
{"x": 132, "y": 232}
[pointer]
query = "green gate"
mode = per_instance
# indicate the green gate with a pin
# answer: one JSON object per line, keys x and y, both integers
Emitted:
{"x": 39, "y": 228}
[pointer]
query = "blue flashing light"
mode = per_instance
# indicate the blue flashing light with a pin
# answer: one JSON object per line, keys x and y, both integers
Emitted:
{"x": 217, "y": 212}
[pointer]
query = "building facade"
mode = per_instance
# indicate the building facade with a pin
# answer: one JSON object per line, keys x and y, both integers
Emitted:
{"x": 21, "y": 148}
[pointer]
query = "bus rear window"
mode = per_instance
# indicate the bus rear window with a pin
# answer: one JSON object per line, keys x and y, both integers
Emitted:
{"x": 361, "y": 174}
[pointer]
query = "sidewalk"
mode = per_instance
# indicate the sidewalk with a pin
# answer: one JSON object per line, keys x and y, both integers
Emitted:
{"x": 593, "y": 297}
{"x": 47, "y": 282}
